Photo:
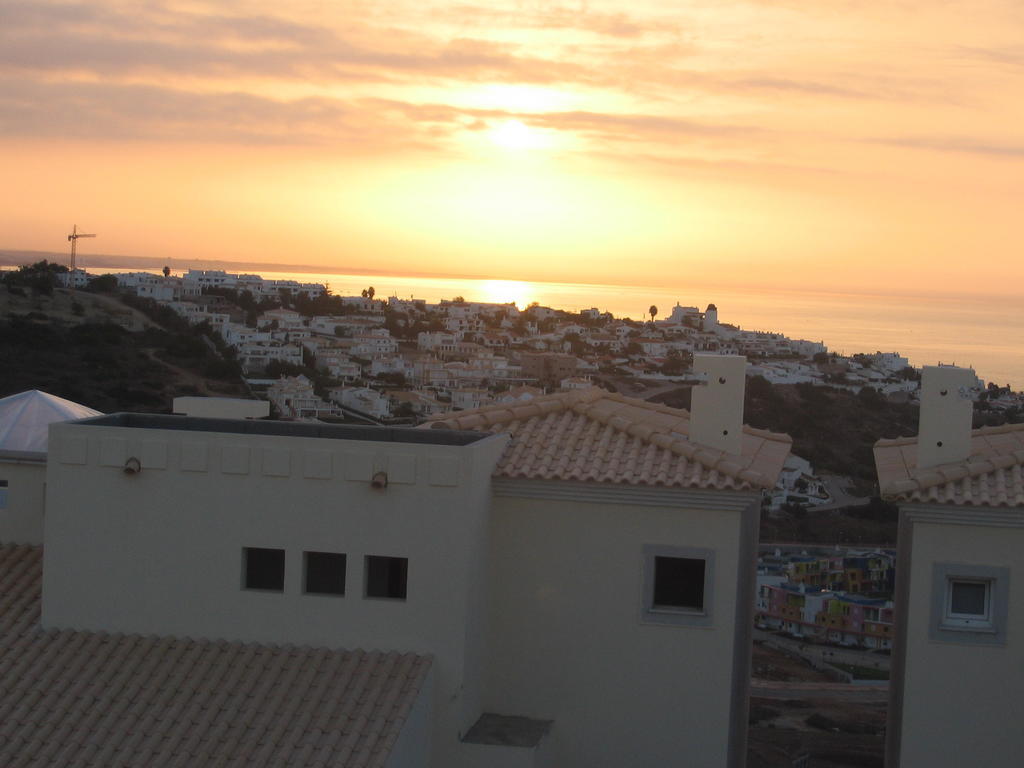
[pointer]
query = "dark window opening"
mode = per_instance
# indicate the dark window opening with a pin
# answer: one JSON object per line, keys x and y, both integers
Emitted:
{"x": 678, "y": 583}
{"x": 264, "y": 568}
{"x": 969, "y": 598}
{"x": 325, "y": 573}
{"x": 386, "y": 576}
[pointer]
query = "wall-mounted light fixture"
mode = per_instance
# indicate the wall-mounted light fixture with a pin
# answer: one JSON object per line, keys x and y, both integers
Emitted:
{"x": 379, "y": 480}
{"x": 133, "y": 466}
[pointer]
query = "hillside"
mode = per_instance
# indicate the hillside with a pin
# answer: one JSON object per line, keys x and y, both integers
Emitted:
{"x": 79, "y": 347}
{"x": 834, "y": 429}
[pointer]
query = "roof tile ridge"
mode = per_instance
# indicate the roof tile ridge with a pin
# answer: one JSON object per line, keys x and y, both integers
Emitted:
{"x": 755, "y": 478}
{"x": 973, "y": 466}
{"x": 767, "y": 434}
{"x": 998, "y": 429}
{"x": 453, "y": 420}
{"x": 886, "y": 442}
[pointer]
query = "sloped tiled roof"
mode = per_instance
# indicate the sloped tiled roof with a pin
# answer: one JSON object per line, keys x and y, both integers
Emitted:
{"x": 992, "y": 476}
{"x": 95, "y": 699}
{"x": 595, "y": 435}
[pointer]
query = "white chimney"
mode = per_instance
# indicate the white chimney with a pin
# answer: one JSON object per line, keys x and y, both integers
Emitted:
{"x": 944, "y": 432}
{"x": 716, "y": 411}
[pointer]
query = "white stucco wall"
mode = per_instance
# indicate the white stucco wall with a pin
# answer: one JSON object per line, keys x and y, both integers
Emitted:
{"x": 21, "y": 516}
{"x": 160, "y": 551}
{"x": 567, "y": 643}
{"x": 961, "y": 701}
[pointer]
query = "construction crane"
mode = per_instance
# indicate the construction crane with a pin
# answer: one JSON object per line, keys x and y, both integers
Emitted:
{"x": 73, "y": 239}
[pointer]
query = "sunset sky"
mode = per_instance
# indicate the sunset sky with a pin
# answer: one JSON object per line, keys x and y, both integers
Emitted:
{"x": 803, "y": 142}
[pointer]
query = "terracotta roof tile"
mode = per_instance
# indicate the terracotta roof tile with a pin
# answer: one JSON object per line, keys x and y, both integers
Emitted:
{"x": 91, "y": 698}
{"x": 595, "y": 435}
{"x": 991, "y": 476}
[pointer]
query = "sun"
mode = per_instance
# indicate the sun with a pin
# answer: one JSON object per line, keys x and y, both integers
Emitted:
{"x": 515, "y": 134}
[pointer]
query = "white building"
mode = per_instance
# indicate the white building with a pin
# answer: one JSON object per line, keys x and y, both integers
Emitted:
{"x": 958, "y": 661}
{"x": 437, "y": 341}
{"x": 256, "y": 355}
{"x": 498, "y": 572}
{"x": 362, "y": 399}
{"x": 295, "y": 398}
{"x": 469, "y": 398}
{"x": 77, "y": 279}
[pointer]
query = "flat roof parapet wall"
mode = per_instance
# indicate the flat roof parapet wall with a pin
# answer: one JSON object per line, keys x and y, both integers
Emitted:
{"x": 285, "y": 429}
{"x": 222, "y": 407}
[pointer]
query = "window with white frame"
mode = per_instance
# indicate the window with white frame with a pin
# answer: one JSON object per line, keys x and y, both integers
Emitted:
{"x": 677, "y": 585}
{"x": 969, "y": 603}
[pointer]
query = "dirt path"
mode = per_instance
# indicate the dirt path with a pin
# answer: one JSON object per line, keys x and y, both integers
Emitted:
{"x": 185, "y": 377}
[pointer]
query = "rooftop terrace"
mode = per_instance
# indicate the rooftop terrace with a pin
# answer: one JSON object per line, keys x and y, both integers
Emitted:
{"x": 285, "y": 429}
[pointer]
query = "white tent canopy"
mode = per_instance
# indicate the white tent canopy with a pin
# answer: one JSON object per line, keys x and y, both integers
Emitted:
{"x": 25, "y": 419}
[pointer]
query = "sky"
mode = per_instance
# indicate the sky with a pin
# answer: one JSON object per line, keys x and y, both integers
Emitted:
{"x": 791, "y": 143}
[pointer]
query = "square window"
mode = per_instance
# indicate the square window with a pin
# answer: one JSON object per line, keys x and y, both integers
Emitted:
{"x": 263, "y": 568}
{"x": 386, "y": 576}
{"x": 324, "y": 573}
{"x": 970, "y": 603}
{"x": 968, "y": 597}
{"x": 677, "y": 586}
{"x": 678, "y": 583}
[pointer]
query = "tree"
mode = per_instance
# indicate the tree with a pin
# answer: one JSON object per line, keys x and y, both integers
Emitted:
{"x": 102, "y": 284}
{"x": 167, "y": 271}
{"x": 40, "y": 277}
{"x": 652, "y": 312}
{"x": 368, "y": 293}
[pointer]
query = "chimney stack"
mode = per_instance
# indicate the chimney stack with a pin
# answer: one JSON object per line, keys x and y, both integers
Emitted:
{"x": 716, "y": 411}
{"x": 944, "y": 431}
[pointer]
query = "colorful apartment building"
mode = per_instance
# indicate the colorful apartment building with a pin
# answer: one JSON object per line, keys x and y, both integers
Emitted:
{"x": 858, "y": 572}
{"x": 823, "y": 616}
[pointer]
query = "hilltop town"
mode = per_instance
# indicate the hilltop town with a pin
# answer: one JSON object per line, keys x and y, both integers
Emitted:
{"x": 368, "y": 359}
{"x": 382, "y": 358}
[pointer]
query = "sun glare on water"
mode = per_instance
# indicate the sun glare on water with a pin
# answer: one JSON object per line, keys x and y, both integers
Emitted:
{"x": 508, "y": 291}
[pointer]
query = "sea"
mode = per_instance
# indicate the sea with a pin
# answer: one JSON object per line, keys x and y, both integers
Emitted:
{"x": 985, "y": 333}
